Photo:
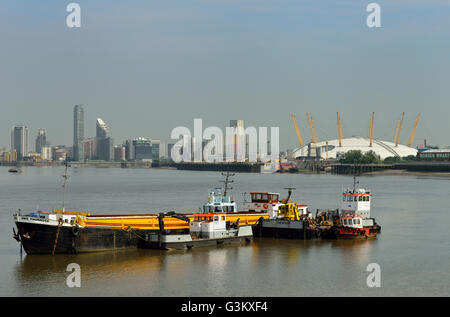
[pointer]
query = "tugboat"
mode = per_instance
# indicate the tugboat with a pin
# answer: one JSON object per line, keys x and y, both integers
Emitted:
{"x": 355, "y": 221}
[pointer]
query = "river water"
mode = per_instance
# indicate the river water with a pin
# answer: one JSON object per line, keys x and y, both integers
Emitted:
{"x": 413, "y": 250}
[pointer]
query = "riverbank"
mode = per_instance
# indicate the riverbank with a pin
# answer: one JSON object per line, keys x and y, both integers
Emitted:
{"x": 406, "y": 172}
{"x": 413, "y": 168}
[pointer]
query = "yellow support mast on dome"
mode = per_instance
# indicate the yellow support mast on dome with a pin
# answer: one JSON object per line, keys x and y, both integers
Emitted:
{"x": 339, "y": 129}
{"x": 372, "y": 121}
{"x": 399, "y": 130}
{"x": 413, "y": 132}
{"x": 297, "y": 130}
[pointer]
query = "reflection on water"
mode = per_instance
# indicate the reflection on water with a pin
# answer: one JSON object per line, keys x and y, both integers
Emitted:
{"x": 37, "y": 267}
{"x": 414, "y": 260}
{"x": 216, "y": 268}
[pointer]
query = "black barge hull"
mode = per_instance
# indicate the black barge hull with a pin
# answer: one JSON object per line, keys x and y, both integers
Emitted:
{"x": 40, "y": 239}
{"x": 199, "y": 243}
{"x": 287, "y": 229}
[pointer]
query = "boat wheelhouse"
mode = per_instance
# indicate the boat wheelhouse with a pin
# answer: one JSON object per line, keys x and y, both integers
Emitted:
{"x": 218, "y": 202}
{"x": 351, "y": 220}
{"x": 264, "y": 202}
{"x": 357, "y": 203}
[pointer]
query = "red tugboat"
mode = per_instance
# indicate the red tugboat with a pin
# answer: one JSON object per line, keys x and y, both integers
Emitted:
{"x": 355, "y": 221}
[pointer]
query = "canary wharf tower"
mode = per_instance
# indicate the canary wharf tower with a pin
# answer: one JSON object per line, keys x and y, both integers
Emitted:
{"x": 78, "y": 132}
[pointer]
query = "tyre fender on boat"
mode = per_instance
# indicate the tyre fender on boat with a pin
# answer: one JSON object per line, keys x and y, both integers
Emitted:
{"x": 75, "y": 230}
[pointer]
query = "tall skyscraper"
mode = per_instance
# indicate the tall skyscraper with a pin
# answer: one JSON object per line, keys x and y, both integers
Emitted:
{"x": 78, "y": 132}
{"x": 105, "y": 144}
{"x": 41, "y": 141}
{"x": 102, "y": 131}
{"x": 19, "y": 140}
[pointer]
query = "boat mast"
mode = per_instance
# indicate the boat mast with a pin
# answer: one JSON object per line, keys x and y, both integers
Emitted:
{"x": 227, "y": 182}
{"x": 245, "y": 197}
{"x": 289, "y": 189}
{"x": 354, "y": 178}
{"x": 65, "y": 176}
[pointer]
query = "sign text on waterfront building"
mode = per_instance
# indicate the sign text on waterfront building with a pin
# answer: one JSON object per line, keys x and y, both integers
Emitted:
{"x": 236, "y": 145}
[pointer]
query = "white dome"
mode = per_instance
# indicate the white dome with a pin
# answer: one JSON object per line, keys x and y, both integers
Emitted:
{"x": 381, "y": 148}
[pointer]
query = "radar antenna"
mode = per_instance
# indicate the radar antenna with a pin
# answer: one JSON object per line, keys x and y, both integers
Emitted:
{"x": 289, "y": 189}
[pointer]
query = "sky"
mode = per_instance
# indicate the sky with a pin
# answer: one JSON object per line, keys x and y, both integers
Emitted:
{"x": 146, "y": 67}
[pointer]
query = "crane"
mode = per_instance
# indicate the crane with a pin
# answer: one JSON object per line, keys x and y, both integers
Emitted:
{"x": 297, "y": 130}
{"x": 413, "y": 132}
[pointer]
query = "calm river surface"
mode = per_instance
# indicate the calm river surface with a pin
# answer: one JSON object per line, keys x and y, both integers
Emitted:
{"x": 413, "y": 250}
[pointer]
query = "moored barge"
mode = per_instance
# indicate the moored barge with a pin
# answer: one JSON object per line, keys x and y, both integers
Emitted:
{"x": 75, "y": 232}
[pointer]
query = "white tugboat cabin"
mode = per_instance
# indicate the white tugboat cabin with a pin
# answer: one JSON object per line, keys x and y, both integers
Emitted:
{"x": 218, "y": 202}
{"x": 264, "y": 202}
{"x": 357, "y": 203}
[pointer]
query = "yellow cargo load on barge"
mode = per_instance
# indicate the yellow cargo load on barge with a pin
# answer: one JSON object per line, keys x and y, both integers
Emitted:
{"x": 151, "y": 221}
{"x": 218, "y": 202}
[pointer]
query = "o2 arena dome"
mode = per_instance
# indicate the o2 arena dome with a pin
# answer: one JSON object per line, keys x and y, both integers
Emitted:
{"x": 383, "y": 149}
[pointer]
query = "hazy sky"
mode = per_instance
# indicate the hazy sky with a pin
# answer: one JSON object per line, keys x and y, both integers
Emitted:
{"x": 146, "y": 67}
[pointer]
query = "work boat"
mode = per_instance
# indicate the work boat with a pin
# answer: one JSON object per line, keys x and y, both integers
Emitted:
{"x": 204, "y": 230}
{"x": 287, "y": 219}
{"x": 355, "y": 220}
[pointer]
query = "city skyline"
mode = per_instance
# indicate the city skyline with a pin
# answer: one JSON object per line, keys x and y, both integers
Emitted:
{"x": 237, "y": 59}
{"x": 102, "y": 131}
